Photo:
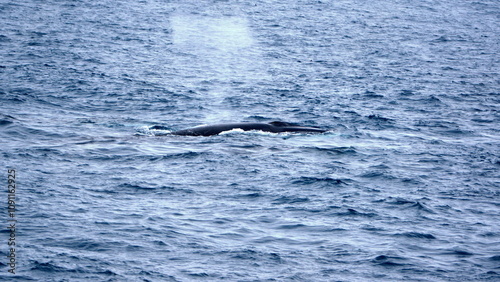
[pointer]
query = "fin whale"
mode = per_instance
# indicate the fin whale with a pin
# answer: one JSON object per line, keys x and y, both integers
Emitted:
{"x": 275, "y": 127}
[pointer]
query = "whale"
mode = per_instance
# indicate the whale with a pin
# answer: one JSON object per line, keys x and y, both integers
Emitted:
{"x": 214, "y": 129}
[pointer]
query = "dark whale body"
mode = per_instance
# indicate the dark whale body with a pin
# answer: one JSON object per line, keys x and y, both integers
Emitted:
{"x": 275, "y": 127}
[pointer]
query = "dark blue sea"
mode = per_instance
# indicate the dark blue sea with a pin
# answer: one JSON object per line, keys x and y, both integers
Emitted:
{"x": 404, "y": 186}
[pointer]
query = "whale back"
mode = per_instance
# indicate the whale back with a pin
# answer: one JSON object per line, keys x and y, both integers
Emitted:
{"x": 275, "y": 127}
{"x": 209, "y": 130}
{"x": 291, "y": 127}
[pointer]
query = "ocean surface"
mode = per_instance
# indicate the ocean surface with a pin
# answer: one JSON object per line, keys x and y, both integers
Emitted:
{"x": 404, "y": 186}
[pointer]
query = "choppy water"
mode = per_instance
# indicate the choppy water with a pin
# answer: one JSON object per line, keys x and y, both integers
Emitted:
{"x": 405, "y": 186}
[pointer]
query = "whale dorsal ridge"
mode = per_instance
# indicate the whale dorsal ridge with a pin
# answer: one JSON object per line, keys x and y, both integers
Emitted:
{"x": 280, "y": 123}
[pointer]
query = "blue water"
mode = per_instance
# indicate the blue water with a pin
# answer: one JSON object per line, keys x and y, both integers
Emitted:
{"x": 403, "y": 187}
